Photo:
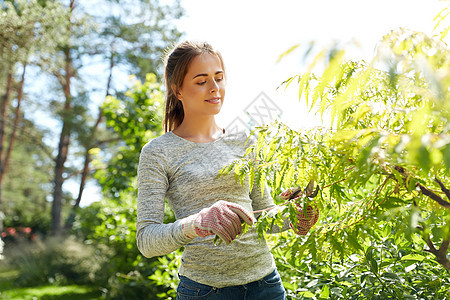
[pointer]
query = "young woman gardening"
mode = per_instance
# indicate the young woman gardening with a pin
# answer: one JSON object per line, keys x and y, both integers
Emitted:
{"x": 181, "y": 166}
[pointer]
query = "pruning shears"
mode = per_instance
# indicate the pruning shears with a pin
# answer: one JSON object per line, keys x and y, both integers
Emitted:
{"x": 309, "y": 191}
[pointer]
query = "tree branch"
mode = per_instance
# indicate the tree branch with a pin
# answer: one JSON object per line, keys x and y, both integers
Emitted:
{"x": 443, "y": 188}
{"x": 441, "y": 253}
{"x": 433, "y": 196}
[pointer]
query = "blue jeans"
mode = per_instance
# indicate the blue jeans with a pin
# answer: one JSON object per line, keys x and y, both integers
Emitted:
{"x": 268, "y": 288}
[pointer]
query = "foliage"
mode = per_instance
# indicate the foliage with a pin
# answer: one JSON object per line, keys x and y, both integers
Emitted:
{"x": 135, "y": 119}
{"x": 382, "y": 169}
{"x": 381, "y": 271}
{"x": 30, "y": 30}
{"x": 130, "y": 36}
{"x": 157, "y": 279}
{"x": 55, "y": 261}
{"x": 139, "y": 35}
{"x": 111, "y": 226}
{"x": 30, "y": 162}
{"x": 61, "y": 42}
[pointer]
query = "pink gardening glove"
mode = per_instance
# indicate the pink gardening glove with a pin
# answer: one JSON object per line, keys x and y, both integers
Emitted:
{"x": 223, "y": 219}
{"x": 304, "y": 221}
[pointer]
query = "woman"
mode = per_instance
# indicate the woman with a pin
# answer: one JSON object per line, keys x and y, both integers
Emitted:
{"x": 182, "y": 166}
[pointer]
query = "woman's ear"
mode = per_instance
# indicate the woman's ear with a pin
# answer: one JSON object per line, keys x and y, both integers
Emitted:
{"x": 176, "y": 92}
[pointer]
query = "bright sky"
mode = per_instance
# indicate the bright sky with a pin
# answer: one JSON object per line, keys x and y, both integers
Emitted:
{"x": 252, "y": 34}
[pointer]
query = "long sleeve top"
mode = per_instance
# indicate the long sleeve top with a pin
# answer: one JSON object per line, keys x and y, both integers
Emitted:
{"x": 185, "y": 173}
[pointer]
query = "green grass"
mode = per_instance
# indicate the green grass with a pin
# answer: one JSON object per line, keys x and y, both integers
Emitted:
{"x": 48, "y": 292}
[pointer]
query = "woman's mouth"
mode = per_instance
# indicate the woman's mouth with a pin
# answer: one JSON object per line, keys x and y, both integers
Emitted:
{"x": 215, "y": 100}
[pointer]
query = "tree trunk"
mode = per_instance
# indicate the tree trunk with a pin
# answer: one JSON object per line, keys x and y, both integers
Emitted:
{"x": 12, "y": 137}
{"x": 3, "y": 115}
{"x": 84, "y": 175}
{"x": 64, "y": 138}
{"x": 5, "y": 161}
{"x": 2, "y": 214}
{"x": 63, "y": 148}
{"x": 87, "y": 156}
{"x": 3, "y": 109}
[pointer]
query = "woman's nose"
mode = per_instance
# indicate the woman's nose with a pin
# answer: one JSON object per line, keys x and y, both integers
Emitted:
{"x": 214, "y": 87}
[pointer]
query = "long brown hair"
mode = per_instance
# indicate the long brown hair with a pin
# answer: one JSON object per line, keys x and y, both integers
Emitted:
{"x": 176, "y": 66}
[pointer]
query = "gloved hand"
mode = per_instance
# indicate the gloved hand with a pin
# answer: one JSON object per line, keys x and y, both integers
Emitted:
{"x": 223, "y": 219}
{"x": 304, "y": 221}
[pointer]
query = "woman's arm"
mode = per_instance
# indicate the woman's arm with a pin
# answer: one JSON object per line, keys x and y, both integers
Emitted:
{"x": 159, "y": 239}
{"x": 153, "y": 237}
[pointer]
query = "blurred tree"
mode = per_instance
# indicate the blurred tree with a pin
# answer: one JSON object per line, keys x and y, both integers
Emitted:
{"x": 66, "y": 40}
{"x": 137, "y": 32}
{"x": 128, "y": 37}
{"x": 27, "y": 183}
{"x": 132, "y": 36}
{"x": 135, "y": 118}
{"x": 28, "y": 33}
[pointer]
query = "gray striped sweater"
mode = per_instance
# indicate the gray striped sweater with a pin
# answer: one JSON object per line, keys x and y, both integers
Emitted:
{"x": 185, "y": 173}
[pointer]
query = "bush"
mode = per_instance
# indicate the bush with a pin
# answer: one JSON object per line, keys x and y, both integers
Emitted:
{"x": 53, "y": 260}
{"x": 388, "y": 269}
{"x": 111, "y": 224}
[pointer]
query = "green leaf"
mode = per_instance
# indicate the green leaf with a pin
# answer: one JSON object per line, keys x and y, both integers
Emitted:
{"x": 352, "y": 239}
{"x": 303, "y": 86}
{"x": 217, "y": 240}
{"x": 325, "y": 294}
{"x": 287, "y": 52}
{"x": 251, "y": 178}
{"x": 374, "y": 265}
{"x": 391, "y": 275}
{"x": 306, "y": 294}
{"x": 371, "y": 260}
{"x": 413, "y": 256}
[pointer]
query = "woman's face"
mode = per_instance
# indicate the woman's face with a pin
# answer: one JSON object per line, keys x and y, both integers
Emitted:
{"x": 203, "y": 88}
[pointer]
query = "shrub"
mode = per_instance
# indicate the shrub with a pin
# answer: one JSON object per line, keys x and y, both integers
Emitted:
{"x": 388, "y": 269}
{"x": 53, "y": 260}
{"x": 126, "y": 274}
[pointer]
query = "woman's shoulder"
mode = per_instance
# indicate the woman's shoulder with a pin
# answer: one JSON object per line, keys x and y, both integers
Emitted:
{"x": 242, "y": 137}
{"x": 158, "y": 144}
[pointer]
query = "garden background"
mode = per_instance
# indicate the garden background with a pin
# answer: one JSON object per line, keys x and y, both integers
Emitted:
{"x": 360, "y": 92}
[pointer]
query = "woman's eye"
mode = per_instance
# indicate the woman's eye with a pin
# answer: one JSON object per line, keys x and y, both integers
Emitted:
{"x": 201, "y": 83}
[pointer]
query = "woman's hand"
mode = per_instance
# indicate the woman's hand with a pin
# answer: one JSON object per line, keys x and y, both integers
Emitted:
{"x": 222, "y": 219}
{"x": 304, "y": 220}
